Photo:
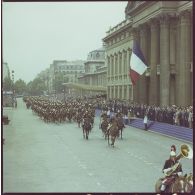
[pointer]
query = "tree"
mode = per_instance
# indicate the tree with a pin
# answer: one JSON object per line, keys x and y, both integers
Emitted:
{"x": 20, "y": 86}
{"x": 58, "y": 80}
{"x": 7, "y": 84}
{"x": 36, "y": 87}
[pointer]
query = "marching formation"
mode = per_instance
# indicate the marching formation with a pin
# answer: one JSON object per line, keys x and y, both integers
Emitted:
{"x": 78, "y": 110}
{"x": 82, "y": 111}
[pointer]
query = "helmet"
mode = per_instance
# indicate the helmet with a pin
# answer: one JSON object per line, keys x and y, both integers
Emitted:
{"x": 172, "y": 153}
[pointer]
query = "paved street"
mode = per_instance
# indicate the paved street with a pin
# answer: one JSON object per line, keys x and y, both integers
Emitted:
{"x": 41, "y": 157}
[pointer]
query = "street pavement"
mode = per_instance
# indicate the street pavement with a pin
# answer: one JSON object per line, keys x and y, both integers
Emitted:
{"x": 46, "y": 157}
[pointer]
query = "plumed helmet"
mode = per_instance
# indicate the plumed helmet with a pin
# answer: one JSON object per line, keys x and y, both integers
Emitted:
{"x": 172, "y": 153}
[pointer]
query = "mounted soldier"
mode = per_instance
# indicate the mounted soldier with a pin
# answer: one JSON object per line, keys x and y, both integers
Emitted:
{"x": 173, "y": 180}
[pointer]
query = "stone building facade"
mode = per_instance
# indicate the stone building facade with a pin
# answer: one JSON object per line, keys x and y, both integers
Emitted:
{"x": 164, "y": 32}
{"x": 95, "y": 72}
{"x": 70, "y": 69}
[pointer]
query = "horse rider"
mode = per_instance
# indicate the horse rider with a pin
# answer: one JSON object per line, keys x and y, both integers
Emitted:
{"x": 111, "y": 122}
{"x": 172, "y": 169}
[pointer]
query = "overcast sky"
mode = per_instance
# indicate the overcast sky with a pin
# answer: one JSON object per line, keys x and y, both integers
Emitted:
{"x": 35, "y": 34}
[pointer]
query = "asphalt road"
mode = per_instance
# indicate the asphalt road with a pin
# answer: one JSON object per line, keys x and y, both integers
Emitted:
{"x": 41, "y": 157}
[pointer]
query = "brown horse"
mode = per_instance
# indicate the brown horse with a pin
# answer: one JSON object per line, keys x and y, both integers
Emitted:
{"x": 181, "y": 184}
{"x": 79, "y": 119}
{"x": 113, "y": 132}
{"x": 104, "y": 126}
{"x": 188, "y": 183}
{"x": 86, "y": 127}
{"x": 120, "y": 125}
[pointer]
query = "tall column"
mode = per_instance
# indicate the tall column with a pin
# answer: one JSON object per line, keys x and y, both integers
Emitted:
{"x": 177, "y": 60}
{"x": 185, "y": 59}
{"x": 114, "y": 67}
{"x": 164, "y": 60}
{"x": 144, "y": 47}
{"x": 114, "y": 88}
{"x": 118, "y": 92}
{"x": 116, "y": 64}
{"x": 173, "y": 49}
{"x": 122, "y": 95}
{"x": 128, "y": 92}
{"x": 122, "y": 64}
{"x": 127, "y": 64}
{"x": 154, "y": 60}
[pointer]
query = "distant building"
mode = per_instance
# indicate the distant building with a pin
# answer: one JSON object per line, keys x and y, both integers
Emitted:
{"x": 94, "y": 79}
{"x": 71, "y": 70}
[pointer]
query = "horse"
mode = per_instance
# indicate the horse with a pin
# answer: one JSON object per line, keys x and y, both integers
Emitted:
{"x": 188, "y": 185}
{"x": 79, "y": 119}
{"x": 113, "y": 132}
{"x": 180, "y": 184}
{"x": 120, "y": 125}
{"x": 86, "y": 127}
{"x": 104, "y": 126}
{"x": 69, "y": 115}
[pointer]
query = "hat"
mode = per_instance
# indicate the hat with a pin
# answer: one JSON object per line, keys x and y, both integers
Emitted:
{"x": 172, "y": 153}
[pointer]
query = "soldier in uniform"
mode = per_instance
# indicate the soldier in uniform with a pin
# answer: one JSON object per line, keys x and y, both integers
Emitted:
{"x": 172, "y": 169}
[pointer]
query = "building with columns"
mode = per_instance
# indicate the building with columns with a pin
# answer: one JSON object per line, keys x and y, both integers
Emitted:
{"x": 164, "y": 32}
{"x": 71, "y": 70}
{"x": 94, "y": 79}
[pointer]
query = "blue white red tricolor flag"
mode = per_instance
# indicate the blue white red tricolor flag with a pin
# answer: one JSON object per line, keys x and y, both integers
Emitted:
{"x": 137, "y": 63}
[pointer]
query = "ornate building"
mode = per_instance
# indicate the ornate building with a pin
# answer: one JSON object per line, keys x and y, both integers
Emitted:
{"x": 71, "y": 70}
{"x": 94, "y": 79}
{"x": 164, "y": 31}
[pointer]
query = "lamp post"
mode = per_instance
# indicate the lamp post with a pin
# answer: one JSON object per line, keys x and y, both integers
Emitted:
{"x": 13, "y": 92}
{"x": 64, "y": 93}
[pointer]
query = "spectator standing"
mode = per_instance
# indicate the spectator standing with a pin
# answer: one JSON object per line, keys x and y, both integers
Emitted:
{"x": 190, "y": 118}
{"x": 146, "y": 122}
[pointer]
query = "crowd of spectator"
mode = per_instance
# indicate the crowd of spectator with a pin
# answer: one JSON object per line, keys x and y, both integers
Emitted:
{"x": 175, "y": 115}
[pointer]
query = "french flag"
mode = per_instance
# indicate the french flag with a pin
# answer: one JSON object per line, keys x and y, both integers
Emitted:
{"x": 137, "y": 63}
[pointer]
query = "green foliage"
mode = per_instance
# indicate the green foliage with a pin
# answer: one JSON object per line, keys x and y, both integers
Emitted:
{"x": 36, "y": 87}
{"x": 20, "y": 87}
{"x": 7, "y": 84}
{"x": 58, "y": 80}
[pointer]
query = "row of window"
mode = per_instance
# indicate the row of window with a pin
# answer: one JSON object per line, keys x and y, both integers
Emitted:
{"x": 118, "y": 38}
{"x": 73, "y": 67}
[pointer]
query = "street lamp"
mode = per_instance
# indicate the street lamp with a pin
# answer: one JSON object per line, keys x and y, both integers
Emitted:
{"x": 64, "y": 94}
{"x": 13, "y": 92}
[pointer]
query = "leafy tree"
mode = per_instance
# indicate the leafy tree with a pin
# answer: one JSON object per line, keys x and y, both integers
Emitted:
{"x": 20, "y": 86}
{"x": 7, "y": 84}
{"x": 58, "y": 80}
{"x": 36, "y": 87}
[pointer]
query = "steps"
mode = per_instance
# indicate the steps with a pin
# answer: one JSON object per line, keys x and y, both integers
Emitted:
{"x": 179, "y": 132}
